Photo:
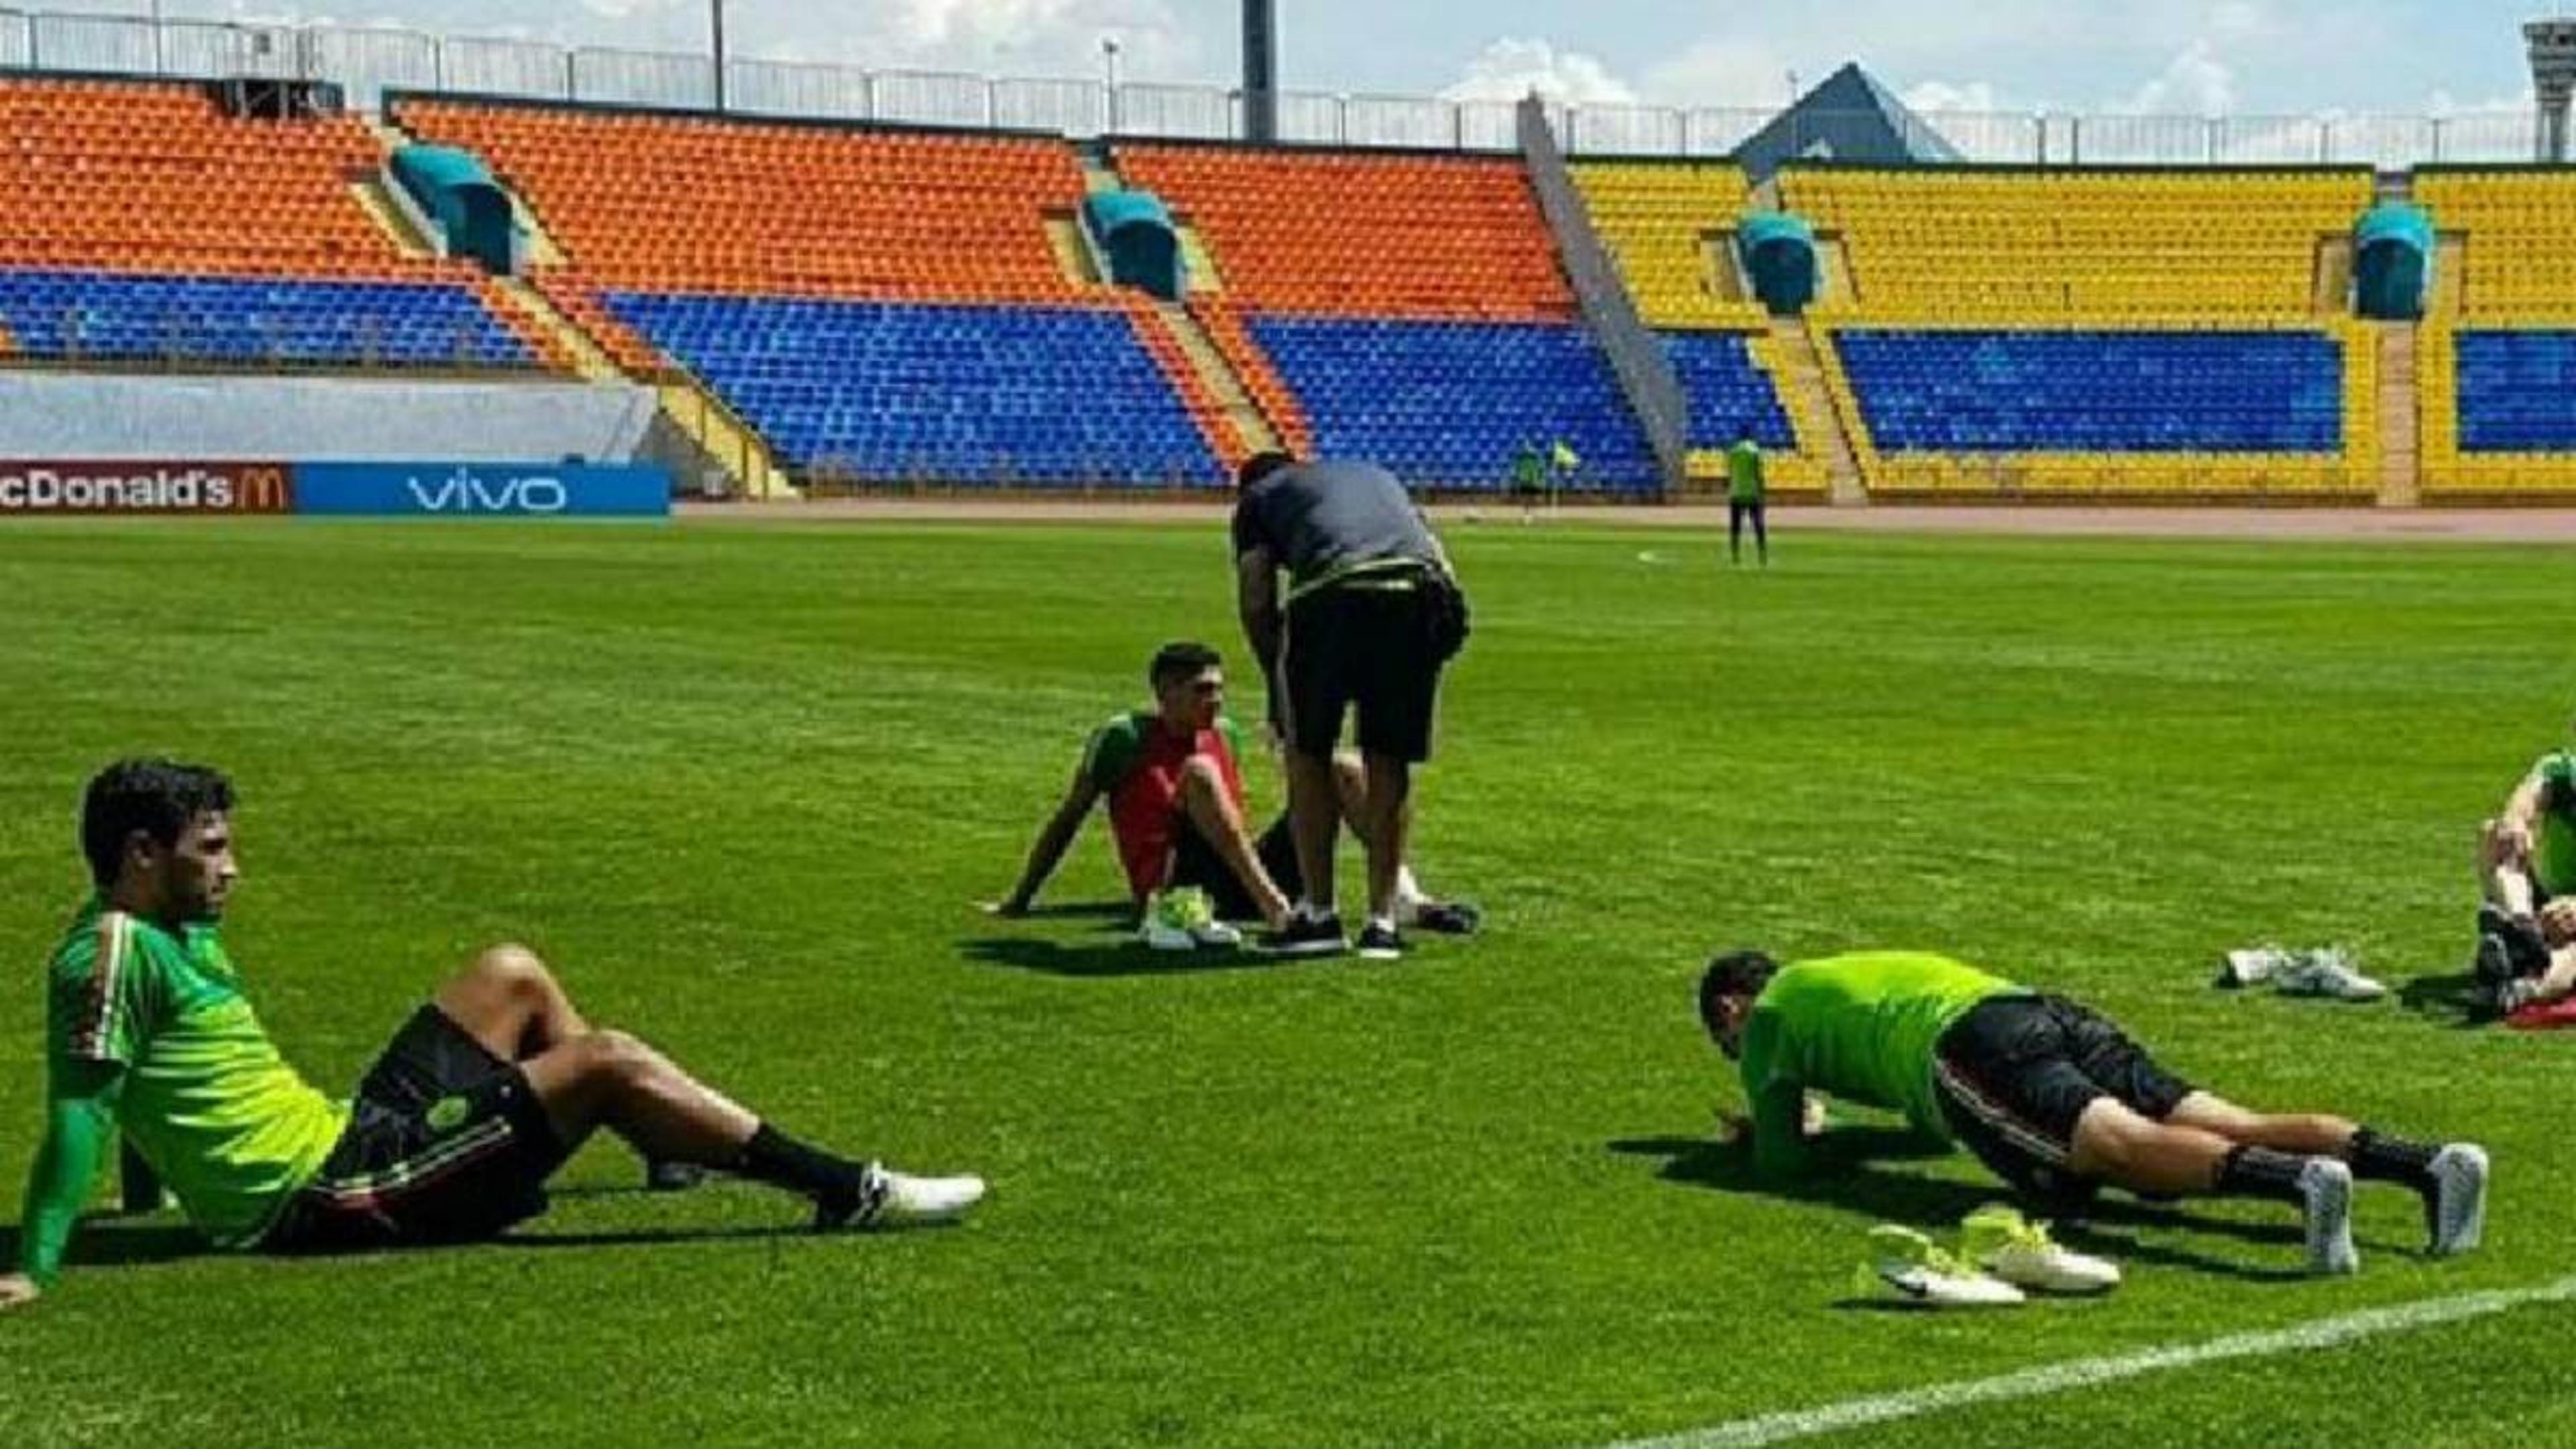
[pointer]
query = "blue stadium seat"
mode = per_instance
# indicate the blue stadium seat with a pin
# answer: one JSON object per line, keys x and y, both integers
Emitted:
{"x": 2098, "y": 392}
{"x": 116, "y": 316}
{"x": 891, "y": 391}
{"x": 1451, "y": 403}
{"x": 2517, "y": 392}
{"x": 1726, "y": 392}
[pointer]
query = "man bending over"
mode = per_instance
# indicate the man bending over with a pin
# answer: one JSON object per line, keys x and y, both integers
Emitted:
{"x": 482, "y": 1095}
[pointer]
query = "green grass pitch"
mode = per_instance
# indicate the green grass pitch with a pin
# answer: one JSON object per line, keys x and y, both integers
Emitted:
{"x": 740, "y": 786}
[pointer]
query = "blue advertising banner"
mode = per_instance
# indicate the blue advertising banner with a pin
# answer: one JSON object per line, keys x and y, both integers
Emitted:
{"x": 482, "y": 490}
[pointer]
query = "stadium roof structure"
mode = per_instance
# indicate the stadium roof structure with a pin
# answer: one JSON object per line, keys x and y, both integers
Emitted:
{"x": 1848, "y": 116}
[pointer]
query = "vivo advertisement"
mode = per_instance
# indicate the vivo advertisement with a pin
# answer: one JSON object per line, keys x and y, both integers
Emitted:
{"x": 482, "y": 490}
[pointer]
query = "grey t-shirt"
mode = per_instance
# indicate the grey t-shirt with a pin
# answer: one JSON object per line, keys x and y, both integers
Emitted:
{"x": 1317, "y": 519}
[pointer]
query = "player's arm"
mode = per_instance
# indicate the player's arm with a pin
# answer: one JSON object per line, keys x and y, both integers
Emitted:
{"x": 1256, "y": 590}
{"x": 2521, "y": 818}
{"x": 1054, "y": 839}
{"x": 80, "y": 1127}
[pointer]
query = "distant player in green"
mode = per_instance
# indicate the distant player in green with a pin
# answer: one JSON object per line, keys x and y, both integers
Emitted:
{"x": 1746, "y": 497}
{"x": 2526, "y": 954}
{"x": 2051, "y": 1096}
{"x": 1529, "y": 479}
{"x": 1173, "y": 779}
{"x": 453, "y": 1133}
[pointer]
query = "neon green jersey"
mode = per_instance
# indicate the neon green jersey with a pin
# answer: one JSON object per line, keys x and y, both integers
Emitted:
{"x": 2553, "y": 845}
{"x": 1859, "y": 1027}
{"x": 1744, "y": 472}
{"x": 225, "y": 1122}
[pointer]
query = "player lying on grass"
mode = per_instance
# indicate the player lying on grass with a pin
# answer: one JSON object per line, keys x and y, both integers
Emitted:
{"x": 1173, "y": 778}
{"x": 2050, "y": 1095}
{"x": 2526, "y": 952}
{"x": 482, "y": 1095}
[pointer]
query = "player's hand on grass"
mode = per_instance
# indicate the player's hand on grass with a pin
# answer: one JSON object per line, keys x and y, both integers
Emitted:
{"x": 17, "y": 1290}
{"x": 1009, "y": 908}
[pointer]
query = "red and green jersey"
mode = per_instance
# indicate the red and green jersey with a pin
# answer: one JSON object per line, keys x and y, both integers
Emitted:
{"x": 199, "y": 1090}
{"x": 1137, "y": 763}
{"x": 2553, "y": 844}
{"x": 1860, "y": 1027}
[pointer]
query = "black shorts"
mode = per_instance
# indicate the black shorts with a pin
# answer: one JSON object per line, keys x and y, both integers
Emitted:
{"x": 2016, "y": 1073}
{"x": 446, "y": 1143}
{"x": 1196, "y": 863}
{"x": 1367, "y": 643}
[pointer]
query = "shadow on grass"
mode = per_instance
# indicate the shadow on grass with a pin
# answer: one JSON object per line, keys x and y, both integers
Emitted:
{"x": 1851, "y": 1177}
{"x": 1115, "y": 912}
{"x": 1108, "y": 957}
{"x": 121, "y": 1244}
{"x": 2455, "y": 1000}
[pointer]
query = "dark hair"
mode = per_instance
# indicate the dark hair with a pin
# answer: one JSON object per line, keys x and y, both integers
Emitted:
{"x": 1737, "y": 973}
{"x": 157, "y": 796}
{"x": 1260, "y": 466}
{"x": 1180, "y": 661}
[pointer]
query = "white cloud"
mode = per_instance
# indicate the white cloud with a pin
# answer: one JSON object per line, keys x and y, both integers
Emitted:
{"x": 1509, "y": 69}
{"x": 1933, "y": 95}
{"x": 1725, "y": 73}
{"x": 2195, "y": 83}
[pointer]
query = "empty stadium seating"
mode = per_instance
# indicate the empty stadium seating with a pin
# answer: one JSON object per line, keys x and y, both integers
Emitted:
{"x": 262, "y": 321}
{"x": 1356, "y": 234}
{"x": 147, "y": 226}
{"x": 2091, "y": 246}
{"x": 1411, "y": 308}
{"x": 896, "y": 390}
{"x": 2084, "y": 391}
{"x": 879, "y": 304}
{"x": 1664, "y": 224}
{"x": 2492, "y": 362}
{"x": 1729, "y": 396}
{"x": 1451, "y": 403}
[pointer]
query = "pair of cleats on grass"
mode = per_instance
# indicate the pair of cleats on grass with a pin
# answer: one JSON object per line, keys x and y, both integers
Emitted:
{"x": 2002, "y": 1259}
{"x": 1184, "y": 919}
{"x": 2329, "y": 972}
{"x": 2511, "y": 958}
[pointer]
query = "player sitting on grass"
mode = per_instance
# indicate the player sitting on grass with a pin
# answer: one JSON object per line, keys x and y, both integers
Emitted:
{"x": 2051, "y": 1096}
{"x": 2526, "y": 953}
{"x": 1174, "y": 782}
{"x": 483, "y": 1094}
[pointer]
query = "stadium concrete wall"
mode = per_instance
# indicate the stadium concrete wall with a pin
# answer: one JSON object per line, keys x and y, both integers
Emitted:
{"x": 314, "y": 419}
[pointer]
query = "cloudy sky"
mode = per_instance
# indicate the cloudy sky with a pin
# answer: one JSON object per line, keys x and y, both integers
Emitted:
{"x": 2196, "y": 56}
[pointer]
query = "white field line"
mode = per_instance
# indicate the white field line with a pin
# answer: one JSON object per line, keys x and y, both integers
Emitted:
{"x": 2084, "y": 1373}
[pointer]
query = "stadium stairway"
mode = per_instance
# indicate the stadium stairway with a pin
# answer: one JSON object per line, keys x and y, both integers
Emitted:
{"x": 1230, "y": 376}
{"x": 1821, "y": 425}
{"x": 2400, "y": 426}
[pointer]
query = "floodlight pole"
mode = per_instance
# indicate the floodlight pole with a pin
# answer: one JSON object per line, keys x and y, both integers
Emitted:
{"x": 715, "y": 25}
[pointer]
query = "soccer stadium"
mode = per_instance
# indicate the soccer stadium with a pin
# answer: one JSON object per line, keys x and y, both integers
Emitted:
{"x": 2053, "y": 933}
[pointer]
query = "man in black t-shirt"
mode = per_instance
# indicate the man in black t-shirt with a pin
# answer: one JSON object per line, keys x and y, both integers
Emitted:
{"x": 1371, "y": 613}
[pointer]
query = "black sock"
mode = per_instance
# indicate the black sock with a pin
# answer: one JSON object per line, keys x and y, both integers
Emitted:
{"x": 775, "y": 1158}
{"x": 2261, "y": 1172}
{"x": 2389, "y": 1159}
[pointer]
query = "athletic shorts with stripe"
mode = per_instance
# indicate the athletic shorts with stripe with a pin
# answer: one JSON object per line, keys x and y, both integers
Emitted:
{"x": 2015, "y": 1074}
{"x": 446, "y": 1143}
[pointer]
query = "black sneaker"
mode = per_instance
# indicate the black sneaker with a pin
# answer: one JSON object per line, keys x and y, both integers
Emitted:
{"x": 672, "y": 1176}
{"x": 1305, "y": 936}
{"x": 1449, "y": 918}
{"x": 1379, "y": 942}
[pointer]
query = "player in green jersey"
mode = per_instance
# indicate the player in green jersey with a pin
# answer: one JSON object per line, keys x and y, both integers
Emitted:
{"x": 2050, "y": 1095}
{"x": 2526, "y": 953}
{"x": 452, "y": 1134}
